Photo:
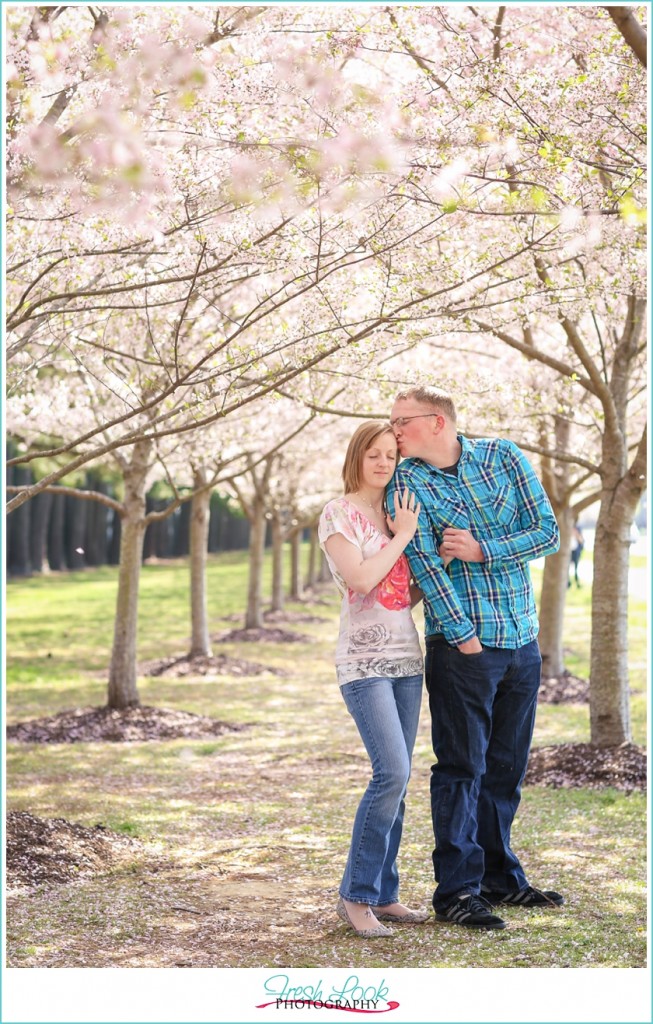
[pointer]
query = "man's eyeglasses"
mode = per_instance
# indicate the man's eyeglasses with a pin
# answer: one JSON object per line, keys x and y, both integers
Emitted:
{"x": 401, "y": 421}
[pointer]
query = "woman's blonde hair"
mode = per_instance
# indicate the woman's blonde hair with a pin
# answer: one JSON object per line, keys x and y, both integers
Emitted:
{"x": 362, "y": 439}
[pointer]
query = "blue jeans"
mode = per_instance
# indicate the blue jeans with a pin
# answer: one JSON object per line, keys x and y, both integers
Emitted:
{"x": 482, "y": 716}
{"x": 386, "y": 712}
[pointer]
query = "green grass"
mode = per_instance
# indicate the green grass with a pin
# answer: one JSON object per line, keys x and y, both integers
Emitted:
{"x": 72, "y": 635}
{"x": 242, "y": 838}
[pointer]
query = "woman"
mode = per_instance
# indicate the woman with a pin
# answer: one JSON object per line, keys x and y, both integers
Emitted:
{"x": 378, "y": 665}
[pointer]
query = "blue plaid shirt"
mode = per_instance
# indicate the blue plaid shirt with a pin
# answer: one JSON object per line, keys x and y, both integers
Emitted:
{"x": 496, "y": 495}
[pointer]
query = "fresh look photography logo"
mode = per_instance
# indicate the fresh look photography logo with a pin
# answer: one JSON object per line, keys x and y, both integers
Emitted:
{"x": 354, "y": 996}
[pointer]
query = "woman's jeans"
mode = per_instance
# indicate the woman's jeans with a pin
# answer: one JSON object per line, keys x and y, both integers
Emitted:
{"x": 482, "y": 715}
{"x": 386, "y": 711}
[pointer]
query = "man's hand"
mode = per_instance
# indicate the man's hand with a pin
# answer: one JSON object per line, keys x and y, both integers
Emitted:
{"x": 473, "y": 646}
{"x": 460, "y": 544}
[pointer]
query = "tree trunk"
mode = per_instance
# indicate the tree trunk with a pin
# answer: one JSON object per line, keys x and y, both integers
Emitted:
{"x": 19, "y": 528}
{"x": 56, "y": 551}
{"x": 97, "y": 522}
{"x": 163, "y": 537}
{"x": 199, "y": 538}
{"x": 313, "y": 552}
{"x": 75, "y": 511}
{"x": 277, "y": 562}
{"x": 609, "y": 689}
{"x": 181, "y": 531}
{"x": 557, "y": 484}
{"x": 149, "y": 540}
{"x": 113, "y": 553}
{"x": 553, "y": 599}
{"x": 214, "y": 522}
{"x": 41, "y": 506}
{"x": 122, "y": 673}
{"x": 254, "y": 614}
{"x": 609, "y": 692}
{"x": 296, "y": 588}
{"x": 633, "y": 33}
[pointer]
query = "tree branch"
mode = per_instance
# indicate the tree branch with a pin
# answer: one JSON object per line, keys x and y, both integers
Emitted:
{"x": 421, "y": 63}
{"x": 575, "y": 460}
{"x": 633, "y": 33}
{"x": 531, "y": 352}
{"x": 496, "y": 34}
{"x": 75, "y": 492}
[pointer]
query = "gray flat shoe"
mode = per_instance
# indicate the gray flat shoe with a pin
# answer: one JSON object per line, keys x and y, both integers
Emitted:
{"x": 365, "y": 933}
{"x": 410, "y": 917}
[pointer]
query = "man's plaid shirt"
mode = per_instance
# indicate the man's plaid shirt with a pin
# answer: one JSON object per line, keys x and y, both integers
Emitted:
{"x": 496, "y": 495}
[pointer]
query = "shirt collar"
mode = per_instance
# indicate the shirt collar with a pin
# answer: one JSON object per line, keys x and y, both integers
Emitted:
{"x": 467, "y": 448}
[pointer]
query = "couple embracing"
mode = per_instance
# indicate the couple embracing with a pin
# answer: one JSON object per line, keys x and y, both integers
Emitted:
{"x": 455, "y": 523}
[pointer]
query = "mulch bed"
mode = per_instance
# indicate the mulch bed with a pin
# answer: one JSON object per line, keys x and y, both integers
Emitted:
{"x": 564, "y": 689}
{"x": 263, "y": 635}
{"x": 55, "y": 850}
{"x": 131, "y": 725}
{"x": 580, "y": 765}
{"x": 180, "y": 665}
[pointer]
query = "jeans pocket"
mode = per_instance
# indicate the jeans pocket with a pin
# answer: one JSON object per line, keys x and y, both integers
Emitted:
{"x": 473, "y": 655}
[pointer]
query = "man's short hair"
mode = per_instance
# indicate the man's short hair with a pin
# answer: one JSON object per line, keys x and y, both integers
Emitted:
{"x": 440, "y": 400}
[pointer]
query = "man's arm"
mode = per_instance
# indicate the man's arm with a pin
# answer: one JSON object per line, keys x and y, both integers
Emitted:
{"x": 428, "y": 570}
{"x": 538, "y": 534}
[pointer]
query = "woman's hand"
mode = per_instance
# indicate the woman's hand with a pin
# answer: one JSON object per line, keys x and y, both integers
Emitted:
{"x": 404, "y": 523}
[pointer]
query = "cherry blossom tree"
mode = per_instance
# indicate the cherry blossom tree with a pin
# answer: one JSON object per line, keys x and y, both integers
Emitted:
{"x": 347, "y": 189}
{"x": 283, "y": 488}
{"x": 208, "y": 202}
{"x": 308, "y": 475}
{"x": 563, "y": 134}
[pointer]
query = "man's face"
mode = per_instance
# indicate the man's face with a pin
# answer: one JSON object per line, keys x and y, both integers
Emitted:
{"x": 415, "y": 436}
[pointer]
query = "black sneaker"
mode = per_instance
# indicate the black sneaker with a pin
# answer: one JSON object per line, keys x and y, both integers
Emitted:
{"x": 528, "y": 897}
{"x": 471, "y": 911}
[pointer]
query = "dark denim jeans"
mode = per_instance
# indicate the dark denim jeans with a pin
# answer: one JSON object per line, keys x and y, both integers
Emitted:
{"x": 386, "y": 711}
{"x": 482, "y": 716}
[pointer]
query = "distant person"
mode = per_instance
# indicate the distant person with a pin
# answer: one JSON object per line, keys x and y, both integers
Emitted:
{"x": 379, "y": 668}
{"x": 484, "y": 517}
{"x": 577, "y": 545}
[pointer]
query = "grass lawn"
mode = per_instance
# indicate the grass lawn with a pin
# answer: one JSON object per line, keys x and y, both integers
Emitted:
{"x": 242, "y": 838}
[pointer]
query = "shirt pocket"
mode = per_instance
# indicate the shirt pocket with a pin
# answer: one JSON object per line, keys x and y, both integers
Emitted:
{"x": 451, "y": 511}
{"x": 504, "y": 505}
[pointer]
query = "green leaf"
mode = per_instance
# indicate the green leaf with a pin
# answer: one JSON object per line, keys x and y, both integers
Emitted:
{"x": 630, "y": 211}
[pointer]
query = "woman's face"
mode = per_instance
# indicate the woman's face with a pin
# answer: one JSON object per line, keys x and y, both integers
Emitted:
{"x": 379, "y": 461}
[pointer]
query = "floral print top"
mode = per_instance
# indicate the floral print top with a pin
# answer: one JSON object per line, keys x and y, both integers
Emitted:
{"x": 377, "y": 633}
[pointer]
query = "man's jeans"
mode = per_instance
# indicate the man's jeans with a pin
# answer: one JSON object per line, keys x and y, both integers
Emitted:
{"x": 482, "y": 716}
{"x": 386, "y": 712}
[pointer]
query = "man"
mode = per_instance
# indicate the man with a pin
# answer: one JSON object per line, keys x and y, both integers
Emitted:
{"x": 484, "y": 516}
{"x": 577, "y": 546}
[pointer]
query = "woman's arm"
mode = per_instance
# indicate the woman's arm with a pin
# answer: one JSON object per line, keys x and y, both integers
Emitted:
{"x": 363, "y": 574}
